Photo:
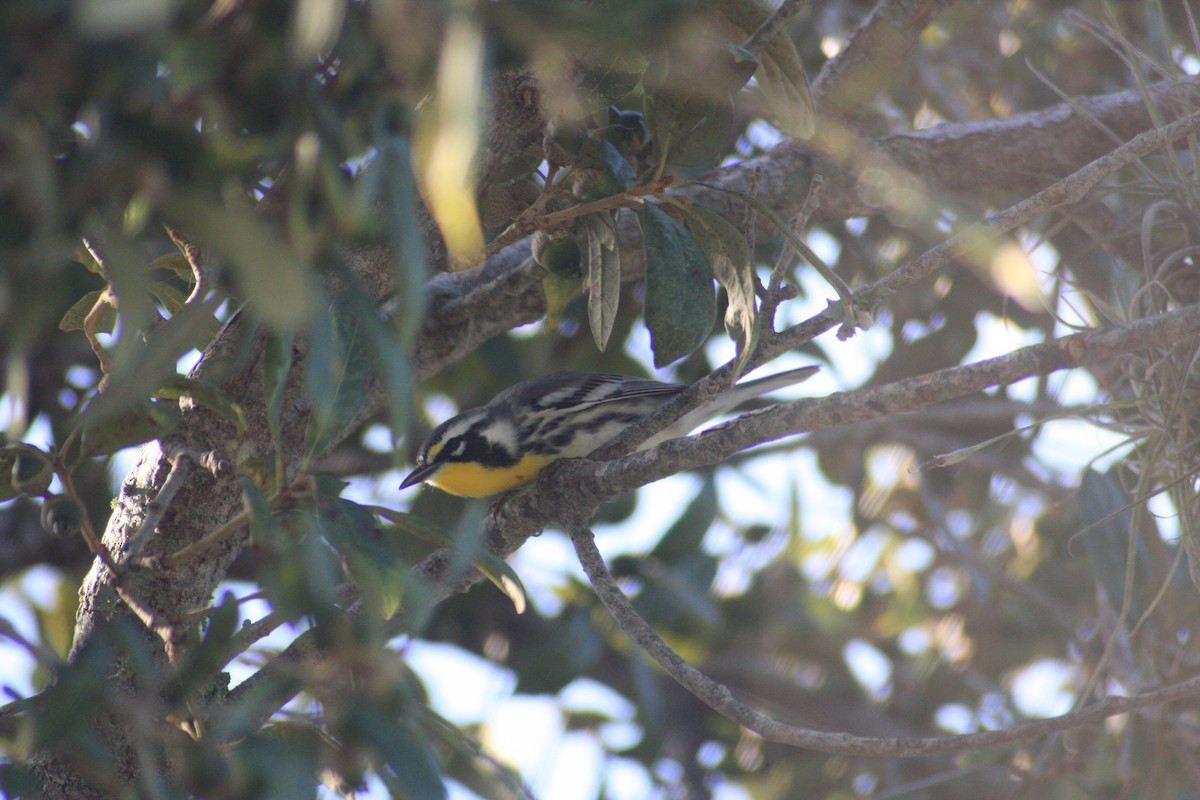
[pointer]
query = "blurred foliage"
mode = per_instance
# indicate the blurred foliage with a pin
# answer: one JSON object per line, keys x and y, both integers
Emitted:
{"x": 168, "y": 165}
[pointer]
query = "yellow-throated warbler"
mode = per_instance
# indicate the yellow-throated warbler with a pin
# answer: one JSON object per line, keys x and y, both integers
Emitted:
{"x": 506, "y": 443}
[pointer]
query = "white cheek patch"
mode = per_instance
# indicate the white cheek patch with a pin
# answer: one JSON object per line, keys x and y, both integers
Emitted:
{"x": 503, "y": 434}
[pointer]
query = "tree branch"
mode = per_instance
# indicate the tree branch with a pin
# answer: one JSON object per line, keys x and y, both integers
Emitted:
{"x": 720, "y": 698}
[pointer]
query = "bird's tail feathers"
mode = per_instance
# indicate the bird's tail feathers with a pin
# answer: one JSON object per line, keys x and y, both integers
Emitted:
{"x": 728, "y": 400}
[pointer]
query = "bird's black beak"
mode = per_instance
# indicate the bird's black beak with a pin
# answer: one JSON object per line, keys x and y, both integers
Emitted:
{"x": 419, "y": 474}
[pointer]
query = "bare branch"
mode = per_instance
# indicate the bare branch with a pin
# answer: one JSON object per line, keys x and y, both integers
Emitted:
{"x": 720, "y": 698}
{"x": 181, "y": 467}
{"x": 876, "y": 55}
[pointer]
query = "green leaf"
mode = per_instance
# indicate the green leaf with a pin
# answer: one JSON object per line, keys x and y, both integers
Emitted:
{"x": 729, "y": 255}
{"x": 77, "y": 313}
{"x": 619, "y": 176}
{"x": 495, "y": 569}
{"x": 8, "y": 460}
{"x": 404, "y": 224}
{"x": 681, "y": 595}
{"x": 558, "y": 252}
{"x": 276, "y": 279}
{"x": 680, "y": 300}
{"x": 277, "y": 363}
{"x": 30, "y": 471}
{"x": 780, "y": 72}
{"x": 560, "y": 290}
{"x": 388, "y": 360}
{"x": 177, "y": 263}
{"x": 170, "y": 297}
{"x": 785, "y": 86}
{"x": 604, "y": 274}
{"x": 254, "y": 500}
{"x": 1104, "y": 511}
{"x": 734, "y": 66}
{"x": 207, "y": 659}
{"x": 689, "y": 130}
{"x": 348, "y": 375}
{"x": 414, "y": 769}
{"x": 146, "y": 420}
{"x": 61, "y": 516}
{"x": 205, "y": 394}
{"x": 373, "y": 561}
{"x": 609, "y": 84}
{"x": 303, "y": 577}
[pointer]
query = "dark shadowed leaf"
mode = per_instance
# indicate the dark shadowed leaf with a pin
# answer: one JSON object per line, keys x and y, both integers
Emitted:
{"x": 496, "y": 569}
{"x": 729, "y": 255}
{"x": 414, "y": 769}
{"x": 274, "y": 277}
{"x": 277, "y": 362}
{"x": 690, "y": 129}
{"x": 146, "y": 420}
{"x": 372, "y": 559}
{"x": 349, "y": 370}
{"x": 618, "y": 174}
{"x": 680, "y": 301}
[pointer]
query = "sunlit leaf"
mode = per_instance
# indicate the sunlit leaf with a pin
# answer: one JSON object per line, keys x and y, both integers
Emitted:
{"x": 170, "y": 297}
{"x": 447, "y": 139}
{"x": 604, "y": 274}
{"x": 73, "y": 320}
{"x": 559, "y": 292}
{"x": 205, "y": 394}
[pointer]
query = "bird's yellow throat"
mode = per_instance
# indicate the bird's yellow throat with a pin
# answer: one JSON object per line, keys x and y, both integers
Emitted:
{"x": 468, "y": 479}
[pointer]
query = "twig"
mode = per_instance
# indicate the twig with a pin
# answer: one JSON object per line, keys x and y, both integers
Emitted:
{"x": 772, "y": 25}
{"x": 278, "y": 501}
{"x": 1068, "y": 190}
{"x": 181, "y": 468}
{"x": 631, "y": 198}
{"x": 774, "y": 294}
{"x": 194, "y": 255}
{"x": 572, "y": 488}
{"x": 720, "y": 698}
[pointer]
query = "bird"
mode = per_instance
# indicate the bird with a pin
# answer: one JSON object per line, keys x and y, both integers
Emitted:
{"x": 505, "y": 444}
